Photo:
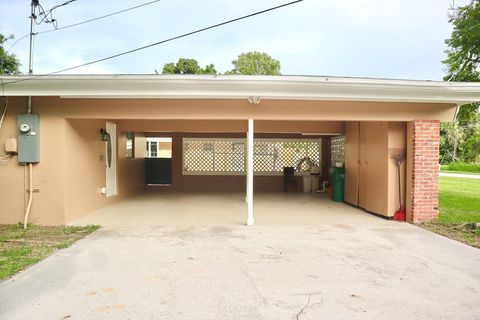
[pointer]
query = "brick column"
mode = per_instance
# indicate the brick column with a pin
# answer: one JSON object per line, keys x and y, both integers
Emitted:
{"x": 422, "y": 170}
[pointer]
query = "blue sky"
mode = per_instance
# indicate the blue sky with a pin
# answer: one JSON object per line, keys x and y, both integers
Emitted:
{"x": 359, "y": 38}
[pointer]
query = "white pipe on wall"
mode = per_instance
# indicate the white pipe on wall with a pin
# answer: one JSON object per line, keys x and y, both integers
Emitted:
{"x": 30, "y": 198}
{"x": 250, "y": 220}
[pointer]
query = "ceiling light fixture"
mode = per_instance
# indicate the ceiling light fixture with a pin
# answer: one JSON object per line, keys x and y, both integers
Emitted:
{"x": 254, "y": 100}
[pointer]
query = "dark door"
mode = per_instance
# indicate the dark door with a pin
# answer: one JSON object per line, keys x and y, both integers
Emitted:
{"x": 158, "y": 171}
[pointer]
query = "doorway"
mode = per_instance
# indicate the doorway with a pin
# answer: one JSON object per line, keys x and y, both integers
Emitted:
{"x": 158, "y": 161}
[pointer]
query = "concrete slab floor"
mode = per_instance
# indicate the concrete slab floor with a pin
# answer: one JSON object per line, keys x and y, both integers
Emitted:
{"x": 345, "y": 271}
{"x": 227, "y": 209}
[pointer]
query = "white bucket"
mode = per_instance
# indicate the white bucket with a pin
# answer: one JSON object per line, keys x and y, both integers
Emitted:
{"x": 307, "y": 183}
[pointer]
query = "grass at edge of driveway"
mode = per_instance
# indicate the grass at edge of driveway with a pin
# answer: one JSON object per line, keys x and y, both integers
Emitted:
{"x": 460, "y": 232}
{"x": 461, "y": 172}
{"x": 459, "y": 210}
{"x": 462, "y": 167}
{"x": 20, "y": 248}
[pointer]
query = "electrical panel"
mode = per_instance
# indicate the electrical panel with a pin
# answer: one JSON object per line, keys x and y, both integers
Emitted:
{"x": 28, "y": 126}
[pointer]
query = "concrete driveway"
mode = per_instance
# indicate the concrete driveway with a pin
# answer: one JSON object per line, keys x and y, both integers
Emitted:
{"x": 226, "y": 209}
{"x": 386, "y": 271}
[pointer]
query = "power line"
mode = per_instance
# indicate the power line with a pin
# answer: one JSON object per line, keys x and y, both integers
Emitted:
{"x": 44, "y": 14}
{"x": 18, "y": 40}
{"x": 49, "y": 12}
{"x": 101, "y": 17}
{"x": 85, "y": 21}
{"x": 160, "y": 42}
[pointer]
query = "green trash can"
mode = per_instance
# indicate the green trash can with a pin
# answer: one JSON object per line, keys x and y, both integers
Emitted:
{"x": 338, "y": 183}
{"x": 331, "y": 175}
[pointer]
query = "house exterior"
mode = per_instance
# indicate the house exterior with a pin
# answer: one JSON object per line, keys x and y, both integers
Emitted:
{"x": 94, "y": 131}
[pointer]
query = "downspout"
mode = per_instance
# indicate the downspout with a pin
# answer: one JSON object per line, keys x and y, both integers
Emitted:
{"x": 29, "y": 111}
{"x": 457, "y": 110}
{"x": 30, "y": 197}
{"x": 455, "y": 133}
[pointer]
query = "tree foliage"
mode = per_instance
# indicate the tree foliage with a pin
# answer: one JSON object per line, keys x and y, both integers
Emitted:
{"x": 187, "y": 66}
{"x": 9, "y": 63}
{"x": 255, "y": 63}
{"x": 461, "y": 140}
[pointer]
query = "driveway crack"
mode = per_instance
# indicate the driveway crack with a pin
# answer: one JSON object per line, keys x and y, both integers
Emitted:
{"x": 308, "y": 303}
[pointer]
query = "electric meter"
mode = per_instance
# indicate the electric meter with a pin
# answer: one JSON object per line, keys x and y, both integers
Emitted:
{"x": 24, "y": 127}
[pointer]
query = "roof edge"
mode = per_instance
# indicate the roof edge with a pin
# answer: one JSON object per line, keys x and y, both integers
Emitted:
{"x": 241, "y": 86}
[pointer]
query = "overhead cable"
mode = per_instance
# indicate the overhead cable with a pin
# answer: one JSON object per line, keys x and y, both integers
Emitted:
{"x": 85, "y": 21}
{"x": 158, "y": 42}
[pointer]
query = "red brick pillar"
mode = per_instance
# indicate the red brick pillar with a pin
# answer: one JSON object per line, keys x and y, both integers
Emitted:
{"x": 422, "y": 170}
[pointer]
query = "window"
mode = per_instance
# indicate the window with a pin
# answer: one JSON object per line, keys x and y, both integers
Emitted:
{"x": 159, "y": 147}
{"x": 153, "y": 149}
{"x": 130, "y": 145}
{"x": 226, "y": 156}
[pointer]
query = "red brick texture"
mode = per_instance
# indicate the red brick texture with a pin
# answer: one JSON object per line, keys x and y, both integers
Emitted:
{"x": 425, "y": 153}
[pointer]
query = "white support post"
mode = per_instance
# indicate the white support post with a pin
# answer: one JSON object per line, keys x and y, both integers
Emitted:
{"x": 250, "y": 220}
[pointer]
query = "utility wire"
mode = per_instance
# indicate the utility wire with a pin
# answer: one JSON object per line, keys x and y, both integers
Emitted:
{"x": 101, "y": 17}
{"x": 160, "y": 42}
{"x": 18, "y": 40}
{"x": 49, "y": 12}
{"x": 85, "y": 21}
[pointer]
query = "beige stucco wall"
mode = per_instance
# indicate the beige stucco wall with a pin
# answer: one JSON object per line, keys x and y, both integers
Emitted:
{"x": 70, "y": 172}
{"x": 165, "y": 150}
{"x": 208, "y": 109}
{"x": 85, "y": 168}
{"x": 233, "y": 126}
{"x": 48, "y": 175}
{"x": 131, "y": 172}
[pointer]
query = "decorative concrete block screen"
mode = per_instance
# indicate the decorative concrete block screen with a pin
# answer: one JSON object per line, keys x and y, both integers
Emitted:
{"x": 226, "y": 156}
{"x": 337, "y": 149}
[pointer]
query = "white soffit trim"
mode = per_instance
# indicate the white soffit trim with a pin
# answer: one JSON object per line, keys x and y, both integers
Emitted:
{"x": 241, "y": 87}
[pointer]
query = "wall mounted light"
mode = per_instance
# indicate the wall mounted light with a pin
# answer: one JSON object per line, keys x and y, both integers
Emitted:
{"x": 106, "y": 137}
{"x": 105, "y": 134}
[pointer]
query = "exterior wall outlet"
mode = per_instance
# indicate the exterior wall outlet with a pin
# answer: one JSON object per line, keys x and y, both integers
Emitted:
{"x": 11, "y": 146}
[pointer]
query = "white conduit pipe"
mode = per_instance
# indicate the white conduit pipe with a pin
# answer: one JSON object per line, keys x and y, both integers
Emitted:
{"x": 30, "y": 192}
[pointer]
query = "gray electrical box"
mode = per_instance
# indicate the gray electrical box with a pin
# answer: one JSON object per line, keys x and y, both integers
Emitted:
{"x": 28, "y": 126}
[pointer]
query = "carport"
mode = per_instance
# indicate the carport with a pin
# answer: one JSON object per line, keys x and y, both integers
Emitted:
{"x": 200, "y": 164}
{"x": 95, "y": 131}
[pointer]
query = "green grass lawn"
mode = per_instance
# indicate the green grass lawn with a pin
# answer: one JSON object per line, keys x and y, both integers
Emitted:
{"x": 20, "y": 248}
{"x": 459, "y": 200}
{"x": 461, "y": 167}
{"x": 459, "y": 206}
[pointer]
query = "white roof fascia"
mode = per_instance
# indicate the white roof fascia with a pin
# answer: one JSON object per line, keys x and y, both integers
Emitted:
{"x": 241, "y": 87}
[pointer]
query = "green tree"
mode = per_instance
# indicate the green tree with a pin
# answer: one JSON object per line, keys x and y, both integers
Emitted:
{"x": 461, "y": 140}
{"x": 9, "y": 63}
{"x": 255, "y": 63}
{"x": 187, "y": 66}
